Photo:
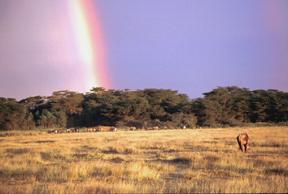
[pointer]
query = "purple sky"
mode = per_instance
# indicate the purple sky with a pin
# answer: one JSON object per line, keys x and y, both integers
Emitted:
{"x": 185, "y": 45}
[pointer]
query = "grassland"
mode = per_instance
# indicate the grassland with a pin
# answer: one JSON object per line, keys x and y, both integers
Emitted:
{"x": 165, "y": 161}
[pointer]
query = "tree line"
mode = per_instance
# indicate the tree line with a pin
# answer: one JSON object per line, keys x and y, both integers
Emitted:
{"x": 222, "y": 107}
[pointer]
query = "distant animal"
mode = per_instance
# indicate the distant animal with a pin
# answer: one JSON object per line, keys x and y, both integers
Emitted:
{"x": 76, "y": 130}
{"x": 91, "y": 129}
{"x": 114, "y": 129}
{"x": 105, "y": 128}
{"x": 61, "y": 131}
{"x": 155, "y": 128}
{"x": 132, "y": 128}
{"x": 53, "y": 131}
{"x": 242, "y": 140}
{"x": 72, "y": 130}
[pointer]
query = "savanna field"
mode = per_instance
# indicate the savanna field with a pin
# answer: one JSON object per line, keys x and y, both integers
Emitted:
{"x": 160, "y": 161}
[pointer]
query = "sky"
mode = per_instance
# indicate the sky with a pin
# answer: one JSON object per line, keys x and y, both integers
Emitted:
{"x": 192, "y": 46}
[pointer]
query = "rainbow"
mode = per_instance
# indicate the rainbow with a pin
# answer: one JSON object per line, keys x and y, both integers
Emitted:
{"x": 89, "y": 43}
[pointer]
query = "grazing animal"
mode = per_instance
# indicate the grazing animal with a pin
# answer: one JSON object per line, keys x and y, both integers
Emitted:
{"x": 61, "y": 131}
{"x": 106, "y": 128}
{"x": 242, "y": 140}
{"x": 114, "y": 129}
{"x": 53, "y": 131}
{"x": 152, "y": 128}
{"x": 72, "y": 130}
{"x": 91, "y": 130}
{"x": 132, "y": 128}
{"x": 76, "y": 130}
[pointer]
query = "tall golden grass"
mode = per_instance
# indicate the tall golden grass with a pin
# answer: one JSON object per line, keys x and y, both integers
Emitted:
{"x": 166, "y": 161}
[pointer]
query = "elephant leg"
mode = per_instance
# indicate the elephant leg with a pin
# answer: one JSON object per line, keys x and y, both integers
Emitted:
{"x": 245, "y": 147}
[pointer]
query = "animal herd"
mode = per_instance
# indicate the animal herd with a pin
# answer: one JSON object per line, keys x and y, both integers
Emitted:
{"x": 242, "y": 138}
{"x": 77, "y": 130}
{"x": 133, "y": 128}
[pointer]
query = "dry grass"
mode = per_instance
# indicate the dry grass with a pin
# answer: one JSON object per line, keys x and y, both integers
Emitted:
{"x": 170, "y": 161}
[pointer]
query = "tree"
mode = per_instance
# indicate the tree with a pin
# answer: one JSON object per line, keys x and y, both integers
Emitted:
{"x": 14, "y": 116}
{"x": 224, "y": 106}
